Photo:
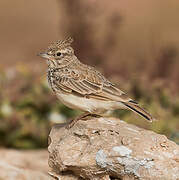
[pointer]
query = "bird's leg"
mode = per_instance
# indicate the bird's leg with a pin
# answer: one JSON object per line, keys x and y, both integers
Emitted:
{"x": 81, "y": 117}
{"x": 73, "y": 121}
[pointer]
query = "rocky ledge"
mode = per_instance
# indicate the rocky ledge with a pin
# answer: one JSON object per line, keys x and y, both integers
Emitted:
{"x": 108, "y": 148}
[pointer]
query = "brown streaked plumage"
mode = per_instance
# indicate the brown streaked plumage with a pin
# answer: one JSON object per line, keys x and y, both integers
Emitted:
{"x": 80, "y": 86}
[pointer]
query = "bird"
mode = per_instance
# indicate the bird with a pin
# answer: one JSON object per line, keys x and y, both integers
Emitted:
{"x": 82, "y": 87}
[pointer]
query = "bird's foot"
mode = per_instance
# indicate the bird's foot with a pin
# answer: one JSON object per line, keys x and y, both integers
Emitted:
{"x": 81, "y": 117}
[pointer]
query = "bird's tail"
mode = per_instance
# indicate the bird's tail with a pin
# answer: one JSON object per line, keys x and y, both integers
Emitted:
{"x": 138, "y": 110}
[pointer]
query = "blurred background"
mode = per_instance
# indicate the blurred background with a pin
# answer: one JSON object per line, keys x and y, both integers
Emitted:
{"x": 134, "y": 43}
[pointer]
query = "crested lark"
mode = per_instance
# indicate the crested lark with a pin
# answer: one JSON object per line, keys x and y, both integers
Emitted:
{"x": 80, "y": 86}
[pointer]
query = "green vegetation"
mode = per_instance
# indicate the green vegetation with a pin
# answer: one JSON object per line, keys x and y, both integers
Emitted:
{"x": 28, "y": 112}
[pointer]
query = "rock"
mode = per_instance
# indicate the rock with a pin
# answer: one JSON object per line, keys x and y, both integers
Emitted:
{"x": 108, "y": 148}
{"x": 23, "y": 165}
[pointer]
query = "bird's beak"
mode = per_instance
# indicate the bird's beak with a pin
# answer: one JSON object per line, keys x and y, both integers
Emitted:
{"x": 44, "y": 55}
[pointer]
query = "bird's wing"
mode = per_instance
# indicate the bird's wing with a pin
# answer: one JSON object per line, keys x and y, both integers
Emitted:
{"x": 89, "y": 83}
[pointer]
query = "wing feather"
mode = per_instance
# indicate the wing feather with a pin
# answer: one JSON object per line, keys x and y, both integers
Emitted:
{"x": 91, "y": 85}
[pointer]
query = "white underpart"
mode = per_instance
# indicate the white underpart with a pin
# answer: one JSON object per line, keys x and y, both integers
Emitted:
{"x": 89, "y": 104}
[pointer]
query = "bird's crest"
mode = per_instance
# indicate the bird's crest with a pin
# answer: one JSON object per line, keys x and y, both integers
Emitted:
{"x": 61, "y": 44}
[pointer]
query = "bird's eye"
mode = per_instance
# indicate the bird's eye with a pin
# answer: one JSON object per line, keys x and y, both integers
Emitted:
{"x": 58, "y": 53}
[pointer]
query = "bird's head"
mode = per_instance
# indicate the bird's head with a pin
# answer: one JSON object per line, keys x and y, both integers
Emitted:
{"x": 59, "y": 54}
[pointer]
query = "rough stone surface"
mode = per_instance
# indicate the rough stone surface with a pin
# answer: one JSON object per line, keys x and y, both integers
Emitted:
{"x": 108, "y": 148}
{"x": 24, "y": 165}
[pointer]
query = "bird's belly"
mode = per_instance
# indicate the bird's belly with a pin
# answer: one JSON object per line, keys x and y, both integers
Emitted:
{"x": 88, "y": 104}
